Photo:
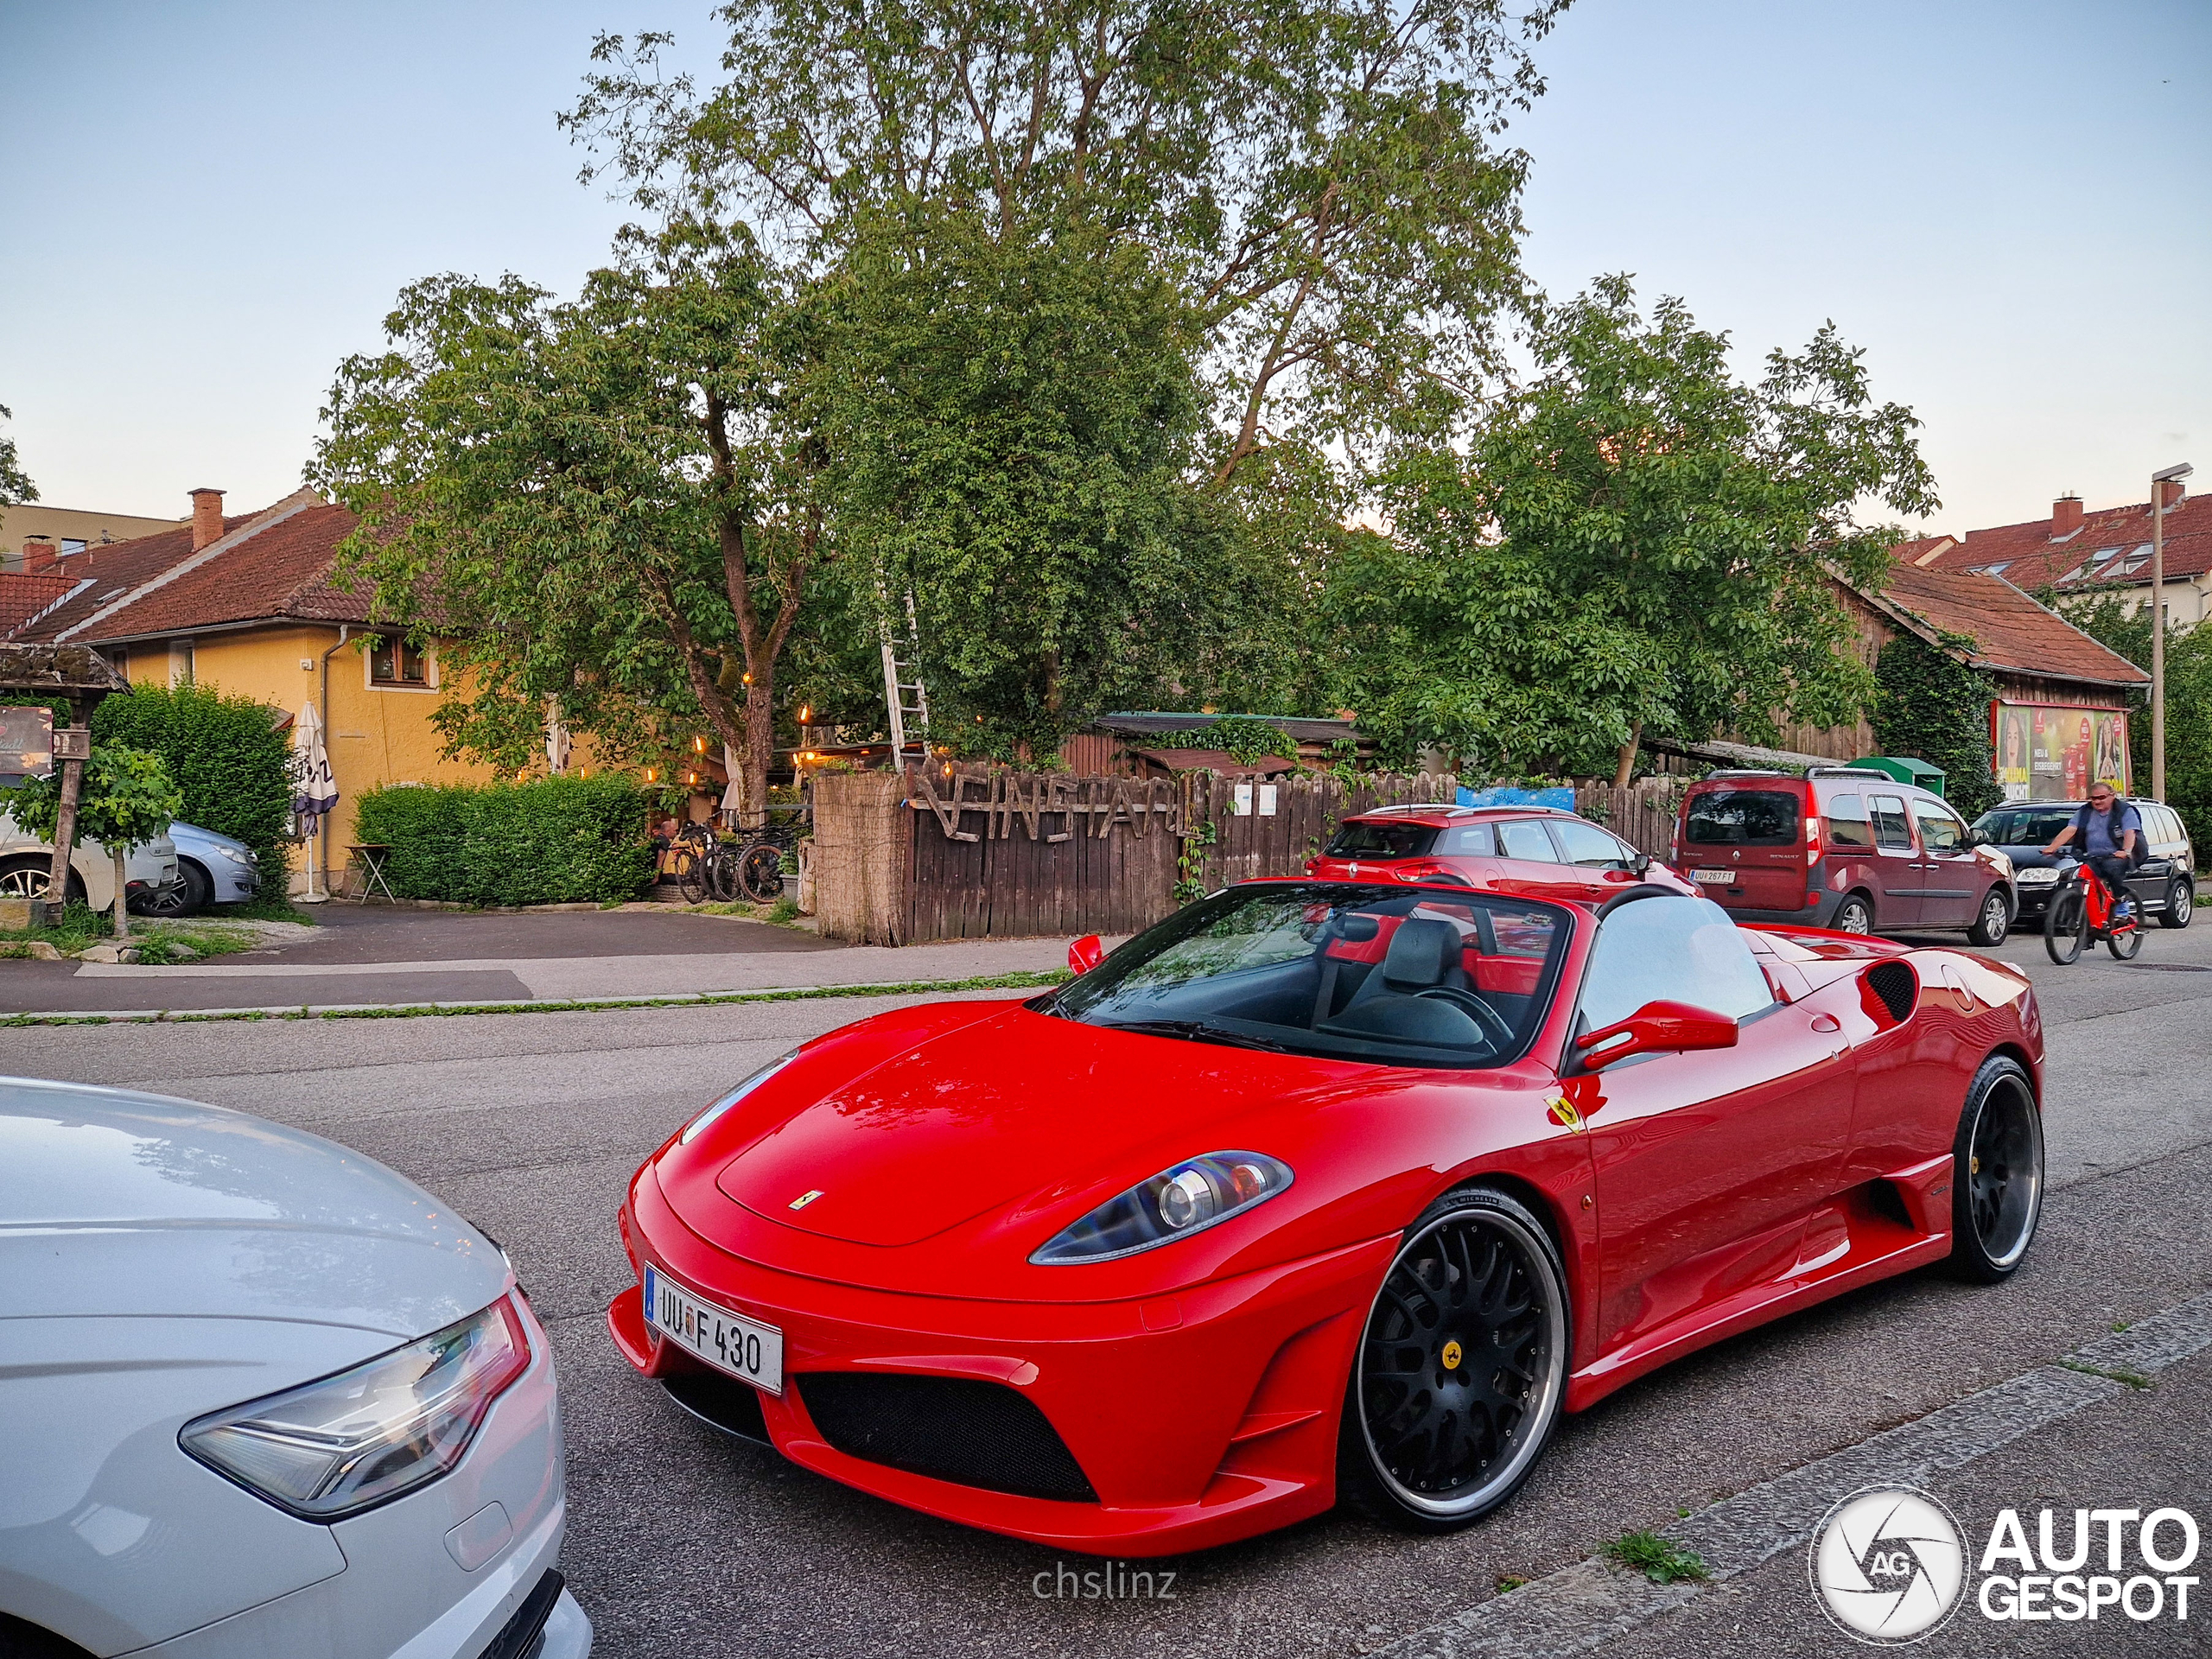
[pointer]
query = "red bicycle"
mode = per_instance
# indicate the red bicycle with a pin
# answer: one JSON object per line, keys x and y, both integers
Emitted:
{"x": 2084, "y": 910}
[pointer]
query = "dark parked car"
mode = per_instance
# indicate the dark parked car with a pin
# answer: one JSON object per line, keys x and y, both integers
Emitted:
{"x": 2164, "y": 885}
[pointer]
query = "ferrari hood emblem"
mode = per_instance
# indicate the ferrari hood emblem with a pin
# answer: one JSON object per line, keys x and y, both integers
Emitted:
{"x": 805, "y": 1198}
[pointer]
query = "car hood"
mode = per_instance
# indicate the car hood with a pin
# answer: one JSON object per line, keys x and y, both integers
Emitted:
{"x": 1022, "y": 1110}
{"x": 192, "y": 837}
{"x": 114, "y": 1203}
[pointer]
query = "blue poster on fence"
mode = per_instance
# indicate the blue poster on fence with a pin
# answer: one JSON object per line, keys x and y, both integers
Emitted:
{"x": 1562, "y": 796}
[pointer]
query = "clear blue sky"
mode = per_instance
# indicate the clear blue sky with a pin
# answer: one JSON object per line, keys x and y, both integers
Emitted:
{"x": 202, "y": 208}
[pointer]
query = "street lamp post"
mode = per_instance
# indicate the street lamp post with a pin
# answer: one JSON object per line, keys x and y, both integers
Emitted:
{"x": 2158, "y": 482}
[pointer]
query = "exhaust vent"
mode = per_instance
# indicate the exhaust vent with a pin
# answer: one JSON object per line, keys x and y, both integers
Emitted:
{"x": 1896, "y": 988}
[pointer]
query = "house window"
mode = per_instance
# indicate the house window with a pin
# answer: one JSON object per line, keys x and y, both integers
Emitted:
{"x": 182, "y": 663}
{"x": 70, "y": 544}
{"x": 395, "y": 662}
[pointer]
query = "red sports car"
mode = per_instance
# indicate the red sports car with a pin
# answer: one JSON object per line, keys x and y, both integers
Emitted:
{"x": 1538, "y": 850}
{"x": 1315, "y": 1191}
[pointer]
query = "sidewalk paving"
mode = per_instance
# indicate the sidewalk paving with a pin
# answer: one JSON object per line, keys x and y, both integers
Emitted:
{"x": 372, "y": 957}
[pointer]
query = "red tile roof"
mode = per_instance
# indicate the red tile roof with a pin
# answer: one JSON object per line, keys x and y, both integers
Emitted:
{"x": 2010, "y": 631}
{"x": 270, "y": 566}
{"x": 2030, "y": 559}
{"x": 22, "y": 597}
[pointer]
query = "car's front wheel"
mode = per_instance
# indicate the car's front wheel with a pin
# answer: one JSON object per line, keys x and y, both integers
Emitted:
{"x": 1997, "y": 1174}
{"x": 195, "y": 891}
{"x": 1461, "y": 1371}
{"x": 1995, "y": 921}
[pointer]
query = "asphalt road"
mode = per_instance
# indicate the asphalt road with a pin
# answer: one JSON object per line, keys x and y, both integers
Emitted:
{"x": 685, "y": 1543}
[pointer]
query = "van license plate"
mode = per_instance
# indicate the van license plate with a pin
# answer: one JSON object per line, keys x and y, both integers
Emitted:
{"x": 1714, "y": 878}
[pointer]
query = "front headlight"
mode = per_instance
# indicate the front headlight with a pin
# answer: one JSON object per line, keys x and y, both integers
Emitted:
{"x": 333, "y": 1448}
{"x": 2041, "y": 875}
{"x": 236, "y": 854}
{"x": 1188, "y": 1198}
{"x": 699, "y": 1125}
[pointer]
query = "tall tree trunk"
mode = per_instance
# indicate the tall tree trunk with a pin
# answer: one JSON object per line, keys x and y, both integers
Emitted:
{"x": 759, "y": 750}
{"x": 122, "y": 913}
{"x": 1624, "y": 772}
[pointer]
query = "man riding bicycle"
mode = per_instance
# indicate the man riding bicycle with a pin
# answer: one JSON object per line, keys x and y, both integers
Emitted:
{"x": 2109, "y": 830}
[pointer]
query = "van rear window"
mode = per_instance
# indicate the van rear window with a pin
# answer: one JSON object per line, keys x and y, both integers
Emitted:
{"x": 1744, "y": 818}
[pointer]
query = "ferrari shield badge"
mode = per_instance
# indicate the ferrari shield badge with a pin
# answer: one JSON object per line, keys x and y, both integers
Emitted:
{"x": 805, "y": 1198}
{"x": 1562, "y": 1113}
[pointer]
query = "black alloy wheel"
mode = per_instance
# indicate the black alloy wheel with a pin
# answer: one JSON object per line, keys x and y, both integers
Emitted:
{"x": 2181, "y": 903}
{"x": 1461, "y": 1371}
{"x": 1995, "y": 921}
{"x": 1997, "y": 1173}
{"x": 2066, "y": 924}
{"x": 1854, "y": 915}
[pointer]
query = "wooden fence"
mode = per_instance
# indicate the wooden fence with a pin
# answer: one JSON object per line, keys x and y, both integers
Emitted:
{"x": 981, "y": 855}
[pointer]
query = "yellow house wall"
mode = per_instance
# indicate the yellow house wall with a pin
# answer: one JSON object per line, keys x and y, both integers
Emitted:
{"x": 374, "y": 734}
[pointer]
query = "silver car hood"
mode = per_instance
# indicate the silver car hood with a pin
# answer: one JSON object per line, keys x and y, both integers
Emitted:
{"x": 115, "y": 1203}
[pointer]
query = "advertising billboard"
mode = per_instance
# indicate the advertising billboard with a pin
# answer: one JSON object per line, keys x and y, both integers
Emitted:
{"x": 2054, "y": 752}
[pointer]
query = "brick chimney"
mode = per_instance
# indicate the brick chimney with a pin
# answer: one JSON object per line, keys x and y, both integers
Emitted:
{"x": 39, "y": 556}
{"x": 207, "y": 517}
{"x": 2175, "y": 492}
{"x": 2065, "y": 516}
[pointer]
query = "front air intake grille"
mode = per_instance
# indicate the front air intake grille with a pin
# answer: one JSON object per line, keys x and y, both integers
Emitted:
{"x": 1895, "y": 984}
{"x": 721, "y": 1401}
{"x": 953, "y": 1427}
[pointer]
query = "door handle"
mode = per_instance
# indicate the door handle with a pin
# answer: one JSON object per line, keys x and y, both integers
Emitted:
{"x": 1826, "y": 1022}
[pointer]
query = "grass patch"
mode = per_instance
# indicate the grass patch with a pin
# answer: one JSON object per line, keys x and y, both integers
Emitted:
{"x": 2110, "y": 1373}
{"x": 1023, "y": 981}
{"x": 78, "y": 927}
{"x": 162, "y": 943}
{"x": 1658, "y": 1560}
{"x": 1508, "y": 1582}
{"x": 784, "y": 910}
{"x": 268, "y": 905}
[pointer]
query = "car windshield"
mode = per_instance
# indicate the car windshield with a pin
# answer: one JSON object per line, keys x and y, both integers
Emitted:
{"x": 2021, "y": 826}
{"x": 1378, "y": 841}
{"x": 1338, "y": 969}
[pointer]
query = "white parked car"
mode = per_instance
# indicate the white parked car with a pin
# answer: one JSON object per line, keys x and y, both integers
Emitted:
{"x": 262, "y": 1398}
{"x": 27, "y": 865}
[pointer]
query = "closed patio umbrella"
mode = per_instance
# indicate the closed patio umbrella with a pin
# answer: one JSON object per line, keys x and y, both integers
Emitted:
{"x": 315, "y": 791}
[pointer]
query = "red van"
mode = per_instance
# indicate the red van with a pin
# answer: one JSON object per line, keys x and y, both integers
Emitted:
{"x": 1841, "y": 849}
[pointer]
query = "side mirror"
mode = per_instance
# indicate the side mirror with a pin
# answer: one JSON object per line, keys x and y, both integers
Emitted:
{"x": 1643, "y": 865}
{"x": 1657, "y": 1028}
{"x": 1086, "y": 953}
{"x": 1978, "y": 838}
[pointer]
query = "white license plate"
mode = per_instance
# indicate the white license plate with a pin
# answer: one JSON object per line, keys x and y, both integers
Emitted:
{"x": 728, "y": 1341}
{"x": 1714, "y": 878}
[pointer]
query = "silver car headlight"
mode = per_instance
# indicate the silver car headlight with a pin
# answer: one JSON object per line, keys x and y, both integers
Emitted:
{"x": 237, "y": 855}
{"x": 2041, "y": 875}
{"x": 1192, "y": 1196}
{"x": 335, "y": 1447}
{"x": 699, "y": 1125}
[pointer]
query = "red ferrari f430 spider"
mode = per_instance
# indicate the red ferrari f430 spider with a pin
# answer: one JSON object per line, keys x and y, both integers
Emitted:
{"x": 1318, "y": 1191}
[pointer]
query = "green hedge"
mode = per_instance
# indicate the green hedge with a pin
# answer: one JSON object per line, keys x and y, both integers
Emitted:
{"x": 222, "y": 753}
{"x": 557, "y": 841}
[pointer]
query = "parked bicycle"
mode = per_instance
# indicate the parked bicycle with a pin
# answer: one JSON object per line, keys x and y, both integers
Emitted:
{"x": 704, "y": 865}
{"x": 2085, "y": 909}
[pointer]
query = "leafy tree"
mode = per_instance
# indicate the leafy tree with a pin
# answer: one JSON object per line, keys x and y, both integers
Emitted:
{"x": 15, "y": 486}
{"x": 1319, "y": 174}
{"x": 1931, "y": 705}
{"x": 1635, "y": 541}
{"x": 126, "y": 799}
{"x": 607, "y": 500}
{"x": 230, "y": 764}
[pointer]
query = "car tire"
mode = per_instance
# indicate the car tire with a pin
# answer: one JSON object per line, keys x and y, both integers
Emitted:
{"x": 1997, "y": 1176}
{"x": 1854, "y": 915}
{"x": 1995, "y": 921}
{"x": 27, "y": 878}
{"x": 194, "y": 892}
{"x": 2181, "y": 903}
{"x": 1422, "y": 1406}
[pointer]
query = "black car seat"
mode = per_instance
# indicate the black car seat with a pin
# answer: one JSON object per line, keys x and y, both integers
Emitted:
{"x": 1424, "y": 955}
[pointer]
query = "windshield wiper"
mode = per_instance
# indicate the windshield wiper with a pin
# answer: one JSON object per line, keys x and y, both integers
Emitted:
{"x": 1195, "y": 1031}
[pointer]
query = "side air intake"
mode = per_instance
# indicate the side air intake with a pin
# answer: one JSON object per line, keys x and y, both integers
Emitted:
{"x": 1896, "y": 988}
{"x": 955, "y": 1428}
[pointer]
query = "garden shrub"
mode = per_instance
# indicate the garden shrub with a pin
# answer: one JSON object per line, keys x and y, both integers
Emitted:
{"x": 1249, "y": 740}
{"x": 557, "y": 841}
{"x": 222, "y": 753}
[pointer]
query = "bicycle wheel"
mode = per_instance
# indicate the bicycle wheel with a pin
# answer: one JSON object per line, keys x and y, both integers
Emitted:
{"x": 694, "y": 876}
{"x": 2125, "y": 940}
{"x": 2066, "y": 925}
{"x": 760, "y": 872}
{"x": 721, "y": 870}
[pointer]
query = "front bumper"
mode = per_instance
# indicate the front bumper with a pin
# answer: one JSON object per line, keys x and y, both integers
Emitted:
{"x": 1197, "y": 1418}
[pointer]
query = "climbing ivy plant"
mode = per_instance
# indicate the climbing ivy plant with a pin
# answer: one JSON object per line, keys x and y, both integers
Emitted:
{"x": 1930, "y": 706}
{"x": 1248, "y": 740}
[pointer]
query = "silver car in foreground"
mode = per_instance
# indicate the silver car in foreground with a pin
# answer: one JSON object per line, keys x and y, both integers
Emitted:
{"x": 261, "y": 1397}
